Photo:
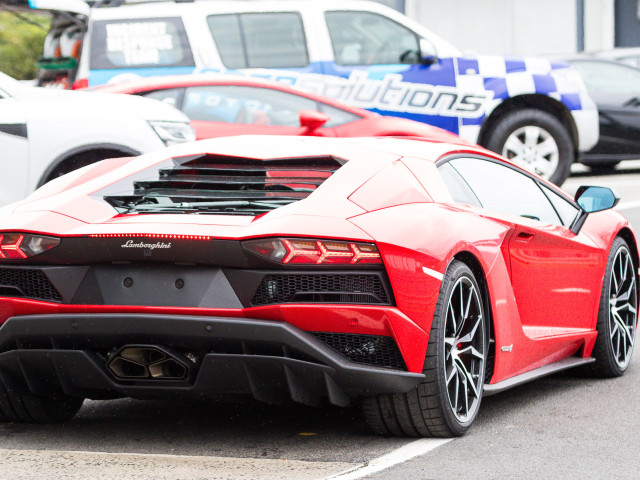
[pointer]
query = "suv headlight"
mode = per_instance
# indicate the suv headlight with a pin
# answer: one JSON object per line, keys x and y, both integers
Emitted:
{"x": 173, "y": 132}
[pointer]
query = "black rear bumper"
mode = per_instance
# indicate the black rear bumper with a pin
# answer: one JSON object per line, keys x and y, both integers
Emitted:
{"x": 272, "y": 361}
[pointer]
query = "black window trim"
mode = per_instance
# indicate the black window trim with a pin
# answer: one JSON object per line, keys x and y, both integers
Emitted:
{"x": 541, "y": 185}
{"x": 243, "y": 42}
{"x": 335, "y": 56}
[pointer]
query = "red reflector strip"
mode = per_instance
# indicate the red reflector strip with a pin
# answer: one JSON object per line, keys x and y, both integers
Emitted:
{"x": 2, "y": 255}
{"x": 150, "y": 235}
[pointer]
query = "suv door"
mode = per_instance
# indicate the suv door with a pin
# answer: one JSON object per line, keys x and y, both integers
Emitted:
{"x": 379, "y": 47}
{"x": 14, "y": 145}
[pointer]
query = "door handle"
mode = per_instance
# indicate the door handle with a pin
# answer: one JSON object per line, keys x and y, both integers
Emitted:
{"x": 524, "y": 236}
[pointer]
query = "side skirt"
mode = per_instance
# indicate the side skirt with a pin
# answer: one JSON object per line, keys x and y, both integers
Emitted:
{"x": 540, "y": 372}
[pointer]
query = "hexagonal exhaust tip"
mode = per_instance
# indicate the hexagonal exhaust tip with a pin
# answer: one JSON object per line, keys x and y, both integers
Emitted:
{"x": 150, "y": 362}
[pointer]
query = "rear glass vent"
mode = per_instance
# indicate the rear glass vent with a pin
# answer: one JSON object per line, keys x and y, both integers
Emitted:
{"x": 224, "y": 185}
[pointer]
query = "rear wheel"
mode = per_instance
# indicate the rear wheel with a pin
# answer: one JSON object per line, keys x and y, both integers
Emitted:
{"x": 29, "y": 408}
{"x": 447, "y": 402}
{"x": 618, "y": 313}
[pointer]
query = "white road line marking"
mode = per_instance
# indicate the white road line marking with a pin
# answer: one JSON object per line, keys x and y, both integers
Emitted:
{"x": 400, "y": 455}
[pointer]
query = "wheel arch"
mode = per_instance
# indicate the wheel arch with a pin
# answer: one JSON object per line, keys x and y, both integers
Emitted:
{"x": 474, "y": 264}
{"x": 99, "y": 149}
{"x": 534, "y": 101}
{"x": 627, "y": 235}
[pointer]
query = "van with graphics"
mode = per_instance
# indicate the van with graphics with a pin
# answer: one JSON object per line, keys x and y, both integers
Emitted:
{"x": 534, "y": 111}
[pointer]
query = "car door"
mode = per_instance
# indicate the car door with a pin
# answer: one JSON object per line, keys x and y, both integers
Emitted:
{"x": 552, "y": 269}
{"x": 616, "y": 90}
{"x": 14, "y": 145}
{"x": 381, "y": 57}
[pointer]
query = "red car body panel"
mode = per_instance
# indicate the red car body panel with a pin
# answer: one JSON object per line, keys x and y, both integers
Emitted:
{"x": 369, "y": 124}
{"x": 543, "y": 283}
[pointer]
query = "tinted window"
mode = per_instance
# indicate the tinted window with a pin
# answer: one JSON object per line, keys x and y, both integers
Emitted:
{"x": 608, "y": 76}
{"x": 458, "y": 188}
{"x": 227, "y": 34}
{"x": 170, "y": 96}
{"x": 364, "y": 38}
{"x": 566, "y": 210}
{"x": 260, "y": 40}
{"x": 237, "y": 104}
{"x": 338, "y": 116}
{"x": 503, "y": 189}
{"x": 151, "y": 42}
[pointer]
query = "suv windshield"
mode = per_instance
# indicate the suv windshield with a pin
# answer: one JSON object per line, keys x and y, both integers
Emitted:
{"x": 150, "y": 42}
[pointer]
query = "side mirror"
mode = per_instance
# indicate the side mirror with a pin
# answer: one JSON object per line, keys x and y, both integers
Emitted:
{"x": 312, "y": 120}
{"x": 596, "y": 199}
{"x": 428, "y": 53}
{"x": 592, "y": 199}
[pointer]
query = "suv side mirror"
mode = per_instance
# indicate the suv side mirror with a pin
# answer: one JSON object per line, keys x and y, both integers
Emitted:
{"x": 312, "y": 120}
{"x": 596, "y": 199}
{"x": 592, "y": 199}
{"x": 428, "y": 53}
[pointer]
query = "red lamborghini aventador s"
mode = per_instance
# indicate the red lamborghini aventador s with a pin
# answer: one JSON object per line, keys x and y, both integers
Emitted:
{"x": 413, "y": 277}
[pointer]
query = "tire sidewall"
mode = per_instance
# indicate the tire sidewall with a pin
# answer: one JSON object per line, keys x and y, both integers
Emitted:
{"x": 531, "y": 117}
{"x": 604, "y": 353}
{"x": 455, "y": 271}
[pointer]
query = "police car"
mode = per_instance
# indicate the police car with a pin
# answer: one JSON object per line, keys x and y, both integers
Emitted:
{"x": 534, "y": 111}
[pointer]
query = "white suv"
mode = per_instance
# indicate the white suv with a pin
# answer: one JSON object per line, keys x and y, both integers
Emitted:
{"x": 46, "y": 133}
{"x": 534, "y": 111}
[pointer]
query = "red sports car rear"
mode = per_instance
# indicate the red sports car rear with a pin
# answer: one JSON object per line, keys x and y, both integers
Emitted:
{"x": 408, "y": 276}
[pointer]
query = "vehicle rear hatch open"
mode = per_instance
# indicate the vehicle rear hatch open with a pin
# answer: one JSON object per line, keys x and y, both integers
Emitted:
{"x": 58, "y": 65}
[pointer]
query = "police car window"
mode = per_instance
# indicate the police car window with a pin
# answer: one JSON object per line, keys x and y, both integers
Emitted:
{"x": 260, "y": 40}
{"x": 566, "y": 210}
{"x": 143, "y": 42}
{"x": 365, "y": 38}
{"x": 249, "y": 105}
{"x": 171, "y": 96}
{"x": 227, "y": 34}
{"x": 506, "y": 190}
{"x": 338, "y": 116}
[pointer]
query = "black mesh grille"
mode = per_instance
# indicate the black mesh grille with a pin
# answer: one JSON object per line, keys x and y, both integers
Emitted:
{"x": 19, "y": 282}
{"x": 321, "y": 288}
{"x": 368, "y": 349}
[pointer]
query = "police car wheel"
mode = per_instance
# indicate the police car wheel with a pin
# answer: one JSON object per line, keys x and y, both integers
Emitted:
{"x": 536, "y": 141}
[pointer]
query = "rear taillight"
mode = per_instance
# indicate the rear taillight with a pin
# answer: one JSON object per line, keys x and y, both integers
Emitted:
{"x": 17, "y": 246}
{"x": 314, "y": 252}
